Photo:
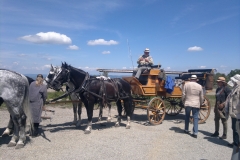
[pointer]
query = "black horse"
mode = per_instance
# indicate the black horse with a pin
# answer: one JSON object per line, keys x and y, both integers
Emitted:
{"x": 92, "y": 90}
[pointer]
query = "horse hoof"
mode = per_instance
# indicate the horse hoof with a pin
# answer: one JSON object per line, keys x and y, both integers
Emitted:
{"x": 117, "y": 125}
{"x": 128, "y": 127}
{"x": 12, "y": 144}
{"x": 87, "y": 132}
{"x": 19, "y": 145}
{"x": 109, "y": 119}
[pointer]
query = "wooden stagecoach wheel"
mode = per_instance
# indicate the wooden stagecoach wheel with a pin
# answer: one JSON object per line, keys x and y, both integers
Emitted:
{"x": 204, "y": 111}
{"x": 156, "y": 111}
{"x": 173, "y": 106}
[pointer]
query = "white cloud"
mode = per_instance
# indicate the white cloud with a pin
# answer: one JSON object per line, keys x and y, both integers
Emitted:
{"x": 48, "y": 37}
{"x": 106, "y": 52}
{"x": 73, "y": 47}
{"x": 15, "y": 63}
{"x": 168, "y": 68}
{"x": 222, "y": 66}
{"x": 124, "y": 67}
{"x": 195, "y": 48}
{"x": 101, "y": 42}
{"x": 47, "y": 66}
{"x": 22, "y": 55}
{"x": 202, "y": 66}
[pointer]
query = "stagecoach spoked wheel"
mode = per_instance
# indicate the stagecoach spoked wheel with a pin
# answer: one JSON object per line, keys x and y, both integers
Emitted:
{"x": 173, "y": 106}
{"x": 156, "y": 111}
{"x": 204, "y": 111}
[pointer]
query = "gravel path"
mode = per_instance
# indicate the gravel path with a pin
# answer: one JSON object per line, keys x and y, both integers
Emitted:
{"x": 61, "y": 141}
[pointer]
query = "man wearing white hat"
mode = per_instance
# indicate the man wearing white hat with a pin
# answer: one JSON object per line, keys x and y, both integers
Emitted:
{"x": 192, "y": 98}
{"x": 144, "y": 62}
{"x": 232, "y": 107}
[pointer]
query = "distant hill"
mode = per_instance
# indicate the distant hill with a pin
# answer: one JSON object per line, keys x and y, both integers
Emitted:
{"x": 34, "y": 76}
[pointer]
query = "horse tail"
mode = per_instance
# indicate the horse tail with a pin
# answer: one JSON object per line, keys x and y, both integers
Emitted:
{"x": 26, "y": 106}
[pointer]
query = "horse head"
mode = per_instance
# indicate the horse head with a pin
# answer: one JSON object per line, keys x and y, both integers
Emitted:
{"x": 58, "y": 76}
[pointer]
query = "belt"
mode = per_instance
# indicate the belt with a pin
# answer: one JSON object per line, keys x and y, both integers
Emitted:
{"x": 144, "y": 66}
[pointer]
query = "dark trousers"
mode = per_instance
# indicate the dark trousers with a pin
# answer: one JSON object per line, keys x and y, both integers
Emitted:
{"x": 235, "y": 133}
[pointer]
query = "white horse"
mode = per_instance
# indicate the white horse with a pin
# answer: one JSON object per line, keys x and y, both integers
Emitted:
{"x": 14, "y": 91}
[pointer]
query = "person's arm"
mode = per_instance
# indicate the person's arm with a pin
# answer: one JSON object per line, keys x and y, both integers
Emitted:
{"x": 227, "y": 91}
{"x": 201, "y": 97}
{"x": 150, "y": 60}
{"x": 184, "y": 94}
{"x": 139, "y": 60}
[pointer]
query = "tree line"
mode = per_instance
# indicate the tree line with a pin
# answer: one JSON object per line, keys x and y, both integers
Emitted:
{"x": 228, "y": 76}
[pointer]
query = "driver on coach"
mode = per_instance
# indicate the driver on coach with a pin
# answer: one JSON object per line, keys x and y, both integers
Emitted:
{"x": 144, "y": 62}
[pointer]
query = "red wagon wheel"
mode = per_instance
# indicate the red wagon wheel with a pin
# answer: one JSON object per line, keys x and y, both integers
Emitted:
{"x": 204, "y": 111}
{"x": 156, "y": 111}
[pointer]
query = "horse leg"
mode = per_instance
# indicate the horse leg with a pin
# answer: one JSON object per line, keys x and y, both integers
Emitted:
{"x": 74, "y": 113}
{"x": 79, "y": 113}
{"x": 9, "y": 128}
{"x": 89, "y": 109}
{"x": 22, "y": 135}
{"x": 119, "y": 107}
{"x": 15, "y": 136}
{"x": 100, "y": 111}
{"x": 127, "y": 108}
{"x": 109, "y": 113}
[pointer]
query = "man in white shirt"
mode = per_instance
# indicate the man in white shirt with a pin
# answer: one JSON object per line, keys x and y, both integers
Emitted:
{"x": 192, "y": 98}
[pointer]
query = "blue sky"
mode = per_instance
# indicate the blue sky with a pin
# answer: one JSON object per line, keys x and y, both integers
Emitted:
{"x": 110, "y": 34}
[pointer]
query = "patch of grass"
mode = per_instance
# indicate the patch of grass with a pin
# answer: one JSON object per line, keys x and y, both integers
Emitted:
{"x": 211, "y": 99}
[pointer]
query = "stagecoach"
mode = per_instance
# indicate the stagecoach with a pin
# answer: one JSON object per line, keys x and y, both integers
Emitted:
{"x": 150, "y": 91}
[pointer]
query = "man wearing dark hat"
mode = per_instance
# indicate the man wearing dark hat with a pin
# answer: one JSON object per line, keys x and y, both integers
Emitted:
{"x": 144, "y": 62}
{"x": 221, "y": 95}
{"x": 37, "y": 98}
{"x": 192, "y": 98}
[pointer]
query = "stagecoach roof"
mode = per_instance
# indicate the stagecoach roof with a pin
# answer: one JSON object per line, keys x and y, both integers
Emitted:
{"x": 190, "y": 71}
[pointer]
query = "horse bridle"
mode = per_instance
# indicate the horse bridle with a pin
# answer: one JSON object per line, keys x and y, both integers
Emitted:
{"x": 69, "y": 80}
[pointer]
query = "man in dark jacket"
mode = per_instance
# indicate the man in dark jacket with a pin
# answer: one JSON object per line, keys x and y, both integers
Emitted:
{"x": 221, "y": 95}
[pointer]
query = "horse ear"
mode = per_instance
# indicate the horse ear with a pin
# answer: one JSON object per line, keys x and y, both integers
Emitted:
{"x": 51, "y": 67}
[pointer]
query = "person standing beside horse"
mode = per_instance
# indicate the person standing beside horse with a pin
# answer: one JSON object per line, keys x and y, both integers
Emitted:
{"x": 37, "y": 97}
{"x": 221, "y": 95}
{"x": 192, "y": 98}
{"x": 144, "y": 62}
{"x": 232, "y": 108}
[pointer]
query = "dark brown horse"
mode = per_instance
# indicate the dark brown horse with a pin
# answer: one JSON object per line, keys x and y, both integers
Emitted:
{"x": 92, "y": 90}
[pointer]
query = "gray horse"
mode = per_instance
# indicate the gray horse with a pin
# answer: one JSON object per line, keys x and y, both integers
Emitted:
{"x": 14, "y": 91}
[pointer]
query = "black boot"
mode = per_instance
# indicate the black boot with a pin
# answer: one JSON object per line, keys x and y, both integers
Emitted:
{"x": 35, "y": 130}
{"x": 215, "y": 134}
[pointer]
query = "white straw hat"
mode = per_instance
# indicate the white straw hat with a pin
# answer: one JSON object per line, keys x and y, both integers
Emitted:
{"x": 147, "y": 50}
{"x": 193, "y": 76}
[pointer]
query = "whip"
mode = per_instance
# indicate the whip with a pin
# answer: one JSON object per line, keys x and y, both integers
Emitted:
{"x": 130, "y": 54}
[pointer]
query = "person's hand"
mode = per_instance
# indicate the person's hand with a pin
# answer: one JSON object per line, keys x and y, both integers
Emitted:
{"x": 141, "y": 59}
{"x": 146, "y": 60}
{"x": 221, "y": 106}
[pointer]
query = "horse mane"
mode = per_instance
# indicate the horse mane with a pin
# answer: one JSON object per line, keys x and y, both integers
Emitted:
{"x": 67, "y": 66}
